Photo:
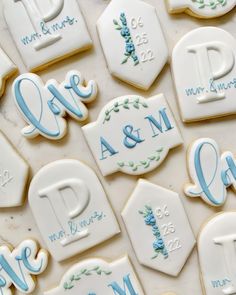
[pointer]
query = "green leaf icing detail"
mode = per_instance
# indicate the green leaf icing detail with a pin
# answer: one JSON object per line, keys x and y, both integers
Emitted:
{"x": 135, "y": 103}
{"x": 84, "y": 272}
{"x": 212, "y": 3}
{"x": 142, "y": 163}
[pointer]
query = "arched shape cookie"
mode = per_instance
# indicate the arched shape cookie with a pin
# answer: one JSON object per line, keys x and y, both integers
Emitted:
{"x": 201, "y": 8}
{"x": 96, "y": 276}
{"x": 45, "y": 33}
{"x": 78, "y": 214}
{"x": 43, "y": 106}
{"x": 7, "y": 69}
{"x": 14, "y": 173}
{"x": 133, "y": 42}
{"x": 210, "y": 171}
{"x": 206, "y": 84}
{"x": 19, "y": 266}
{"x": 217, "y": 254}
{"x": 132, "y": 134}
{"x": 167, "y": 238}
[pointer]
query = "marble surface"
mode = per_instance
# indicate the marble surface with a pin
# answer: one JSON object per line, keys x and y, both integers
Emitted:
{"x": 18, "y": 224}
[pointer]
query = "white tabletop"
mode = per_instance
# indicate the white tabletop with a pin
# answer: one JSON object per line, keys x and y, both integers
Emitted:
{"x": 18, "y": 224}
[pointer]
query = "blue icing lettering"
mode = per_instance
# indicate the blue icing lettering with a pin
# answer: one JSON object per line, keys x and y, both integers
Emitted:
{"x": 76, "y": 227}
{"x": 158, "y": 125}
{"x": 232, "y": 168}
{"x": 132, "y": 137}
{"x": 57, "y": 95}
{"x": 220, "y": 283}
{"x": 106, "y": 148}
{"x": 75, "y": 84}
{"x": 126, "y": 289}
{"x": 21, "y": 283}
{"x": 51, "y": 102}
{"x": 48, "y": 30}
{"x": 36, "y": 122}
{"x": 214, "y": 87}
{"x": 25, "y": 254}
{"x": 200, "y": 175}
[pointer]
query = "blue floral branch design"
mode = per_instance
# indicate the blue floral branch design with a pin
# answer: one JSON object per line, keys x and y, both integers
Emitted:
{"x": 158, "y": 244}
{"x": 130, "y": 51}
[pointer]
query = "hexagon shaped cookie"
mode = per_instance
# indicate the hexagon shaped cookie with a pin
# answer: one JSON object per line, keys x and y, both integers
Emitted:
{"x": 13, "y": 175}
{"x": 161, "y": 239}
{"x": 133, "y": 43}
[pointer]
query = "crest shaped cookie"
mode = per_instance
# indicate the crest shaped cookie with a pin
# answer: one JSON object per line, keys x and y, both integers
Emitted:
{"x": 132, "y": 134}
{"x": 217, "y": 255}
{"x": 211, "y": 172}
{"x": 206, "y": 85}
{"x": 201, "y": 8}
{"x": 44, "y": 106}
{"x": 19, "y": 266}
{"x": 133, "y": 43}
{"x": 46, "y": 31}
{"x": 79, "y": 215}
{"x": 96, "y": 276}
{"x": 167, "y": 238}
{"x": 7, "y": 69}
{"x": 14, "y": 173}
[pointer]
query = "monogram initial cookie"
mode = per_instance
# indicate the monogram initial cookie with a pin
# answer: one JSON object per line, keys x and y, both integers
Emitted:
{"x": 132, "y": 134}
{"x": 78, "y": 213}
{"x": 46, "y": 31}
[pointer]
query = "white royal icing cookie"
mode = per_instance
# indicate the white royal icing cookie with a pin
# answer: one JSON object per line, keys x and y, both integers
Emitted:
{"x": 46, "y": 31}
{"x": 210, "y": 171}
{"x": 206, "y": 85}
{"x": 132, "y": 134}
{"x": 7, "y": 69}
{"x": 133, "y": 42}
{"x": 79, "y": 215}
{"x": 96, "y": 276}
{"x": 43, "y": 106}
{"x": 217, "y": 255}
{"x": 162, "y": 239}
{"x": 14, "y": 172}
{"x": 20, "y": 265}
{"x": 201, "y": 8}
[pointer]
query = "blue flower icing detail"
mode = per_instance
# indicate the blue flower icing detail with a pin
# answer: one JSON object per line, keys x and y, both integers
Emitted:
{"x": 158, "y": 245}
{"x": 125, "y": 32}
{"x": 150, "y": 220}
{"x": 130, "y": 51}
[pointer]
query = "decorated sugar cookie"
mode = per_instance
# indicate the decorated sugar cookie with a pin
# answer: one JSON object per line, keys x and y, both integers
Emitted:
{"x": 211, "y": 172}
{"x": 46, "y": 31}
{"x": 14, "y": 173}
{"x": 7, "y": 69}
{"x": 96, "y": 276}
{"x": 133, "y": 43}
{"x": 167, "y": 238}
{"x": 43, "y": 106}
{"x": 19, "y": 266}
{"x": 132, "y": 134}
{"x": 217, "y": 255}
{"x": 201, "y": 8}
{"x": 78, "y": 213}
{"x": 206, "y": 85}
